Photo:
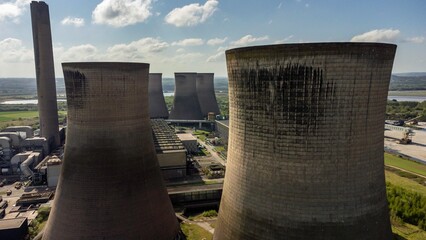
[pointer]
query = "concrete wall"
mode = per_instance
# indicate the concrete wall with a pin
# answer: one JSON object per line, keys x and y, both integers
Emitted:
{"x": 172, "y": 158}
{"x": 305, "y": 157}
{"x": 185, "y": 101}
{"x": 110, "y": 186}
{"x": 45, "y": 73}
{"x": 157, "y": 104}
{"x": 206, "y": 94}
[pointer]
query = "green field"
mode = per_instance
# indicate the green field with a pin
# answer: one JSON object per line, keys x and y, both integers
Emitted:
{"x": 417, "y": 93}
{"x": 411, "y": 166}
{"x": 10, "y": 116}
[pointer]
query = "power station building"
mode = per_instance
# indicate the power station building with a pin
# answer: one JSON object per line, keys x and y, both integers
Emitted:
{"x": 305, "y": 157}
{"x": 45, "y": 73}
{"x": 157, "y": 104}
{"x": 185, "y": 102}
{"x": 171, "y": 152}
{"x": 206, "y": 94}
{"x": 110, "y": 185}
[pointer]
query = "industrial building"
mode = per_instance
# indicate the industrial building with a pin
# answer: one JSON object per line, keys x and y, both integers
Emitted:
{"x": 206, "y": 94}
{"x": 222, "y": 128}
{"x": 14, "y": 229}
{"x": 110, "y": 185}
{"x": 157, "y": 104}
{"x": 185, "y": 101}
{"x": 189, "y": 141}
{"x": 45, "y": 73}
{"x": 170, "y": 150}
{"x": 305, "y": 153}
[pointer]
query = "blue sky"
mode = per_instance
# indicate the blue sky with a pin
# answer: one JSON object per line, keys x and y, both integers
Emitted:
{"x": 192, "y": 35}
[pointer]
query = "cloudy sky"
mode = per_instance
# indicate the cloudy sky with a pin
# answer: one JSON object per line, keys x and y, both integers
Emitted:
{"x": 192, "y": 35}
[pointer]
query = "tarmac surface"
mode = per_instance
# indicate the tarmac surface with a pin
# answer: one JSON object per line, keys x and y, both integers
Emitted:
{"x": 415, "y": 150}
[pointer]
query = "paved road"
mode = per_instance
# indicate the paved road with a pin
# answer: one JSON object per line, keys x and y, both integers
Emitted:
{"x": 213, "y": 153}
{"x": 415, "y": 150}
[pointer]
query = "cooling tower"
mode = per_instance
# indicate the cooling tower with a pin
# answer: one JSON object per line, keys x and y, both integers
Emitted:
{"x": 45, "y": 73}
{"x": 205, "y": 93}
{"x": 110, "y": 186}
{"x": 157, "y": 104}
{"x": 305, "y": 157}
{"x": 185, "y": 102}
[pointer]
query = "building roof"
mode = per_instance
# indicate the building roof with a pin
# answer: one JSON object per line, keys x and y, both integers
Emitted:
{"x": 186, "y": 137}
{"x": 12, "y": 223}
{"x": 224, "y": 122}
{"x": 164, "y": 136}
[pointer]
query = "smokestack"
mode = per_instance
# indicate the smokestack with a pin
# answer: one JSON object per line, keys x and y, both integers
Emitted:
{"x": 206, "y": 94}
{"x": 185, "y": 102}
{"x": 157, "y": 104}
{"x": 110, "y": 186}
{"x": 45, "y": 73}
{"x": 305, "y": 157}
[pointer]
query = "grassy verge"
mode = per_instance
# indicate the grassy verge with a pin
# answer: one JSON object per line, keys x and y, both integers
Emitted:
{"x": 195, "y": 232}
{"x": 419, "y": 93}
{"x": 405, "y": 164}
{"x": 405, "y": 183}
{"x": 408, "y": 231}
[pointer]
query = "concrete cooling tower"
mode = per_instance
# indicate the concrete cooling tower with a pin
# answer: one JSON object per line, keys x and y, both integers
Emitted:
{"x": 110, "y": 186}
{"x": 305, "y": 157}
{"x": 157, "y": 104}
{"x": 206, "y": 94}
{"x": 185, "y": 102}
{"x": 45, "y": 73}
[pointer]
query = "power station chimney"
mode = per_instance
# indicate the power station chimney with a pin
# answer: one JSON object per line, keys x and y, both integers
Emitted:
{"x": 206, "y": 94}
{"x": 157, "y": 104}
{"x": 185, "y": 102}
{"x": 305, "y": 157}
{"x": 45, "y": 73}
{"x": 110, "y": 186}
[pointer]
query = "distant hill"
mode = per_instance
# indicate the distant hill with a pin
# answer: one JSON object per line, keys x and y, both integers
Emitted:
{"x": 408, "y": 81}
{"x": 27, "y": 86}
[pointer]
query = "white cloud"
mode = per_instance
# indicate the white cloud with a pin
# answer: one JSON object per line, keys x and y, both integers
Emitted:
{"x": 189, "y": 42}
{"x": 280, "y": 5}
{"x": 184, "y": 58}
{"x": 136, "y": 50}
{"x": 85, "y": 52}
{"x": 287, "y": 39}
{"x": 120, "y": 13}
{"x": 217, "y": 57}
{"x": 378, "y": 35}
{"x": 192, "y": 14}
{"x": 216, "y": 41}
{"x": 13, "y": 51}
{"x": 248, "y": 39}
{"x": 307, "y": 5}
{"x": 76, "y": 22}
{"x": 180, "y": 50}
{"x": 415, "y": 40}
{"x": 13, "y": 10}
